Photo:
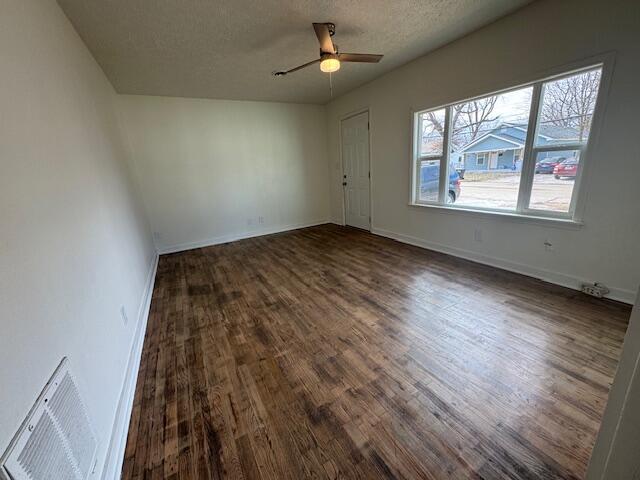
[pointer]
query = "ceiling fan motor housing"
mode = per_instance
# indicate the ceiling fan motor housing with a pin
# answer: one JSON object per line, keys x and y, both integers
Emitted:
{"x": 324, "y": 55}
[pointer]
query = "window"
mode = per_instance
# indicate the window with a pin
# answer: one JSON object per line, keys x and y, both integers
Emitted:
{"x": 517, "y": 155}
{"x": 518, "y": 151}
{"x": 431, "y": 126}
{"x": 564, "y": 125}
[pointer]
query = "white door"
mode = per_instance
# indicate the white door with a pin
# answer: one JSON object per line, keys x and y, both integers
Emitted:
{"x": 493, "y": 160}
{"x": 356, "y": 178}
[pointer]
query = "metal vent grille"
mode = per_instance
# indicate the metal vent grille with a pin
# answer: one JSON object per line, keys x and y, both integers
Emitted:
{"x": 68, "y": 410}
{"x": 56, "y": 441}
{"x": 44, "y": 456}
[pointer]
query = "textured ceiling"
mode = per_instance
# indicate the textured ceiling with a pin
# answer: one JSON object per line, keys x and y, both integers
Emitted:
{"x": 228, "y": 48}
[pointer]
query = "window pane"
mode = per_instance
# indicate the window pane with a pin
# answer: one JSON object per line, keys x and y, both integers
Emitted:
{"x": 432, "y": 132}
{"x": 429, "y": 180}
{"x": 553, "y": 181}
{"x": 487, "y": 140}
{"x": 567, "y": 107}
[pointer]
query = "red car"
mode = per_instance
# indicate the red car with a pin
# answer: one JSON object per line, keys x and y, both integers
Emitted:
{"x": 566, "y": 169}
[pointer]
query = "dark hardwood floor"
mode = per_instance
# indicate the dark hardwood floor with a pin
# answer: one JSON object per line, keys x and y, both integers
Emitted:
{"x": 329, "y": 352}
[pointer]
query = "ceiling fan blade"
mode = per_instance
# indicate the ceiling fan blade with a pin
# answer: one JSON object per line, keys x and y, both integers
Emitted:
{"x": 295, "y": 69}
{"x": 324, "y": 37}
{"x": 359, "y": 57}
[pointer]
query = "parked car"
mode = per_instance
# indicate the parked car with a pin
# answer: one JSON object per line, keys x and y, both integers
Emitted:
{"x": 547, "y": 165}
{"x": 430, "y": 177}
{"x": 566, "y": 169}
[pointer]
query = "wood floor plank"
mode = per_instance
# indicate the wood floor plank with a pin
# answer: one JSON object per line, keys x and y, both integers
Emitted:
{"x": 328, "y": 352}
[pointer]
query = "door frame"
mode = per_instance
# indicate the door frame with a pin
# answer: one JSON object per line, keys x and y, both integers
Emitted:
{"x": 342, "y": 118}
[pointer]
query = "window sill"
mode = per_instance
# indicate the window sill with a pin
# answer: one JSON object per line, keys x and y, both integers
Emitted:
{"x": 507, "y": 216}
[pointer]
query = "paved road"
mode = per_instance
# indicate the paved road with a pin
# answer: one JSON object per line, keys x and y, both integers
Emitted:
{"x": 502, "y": 192}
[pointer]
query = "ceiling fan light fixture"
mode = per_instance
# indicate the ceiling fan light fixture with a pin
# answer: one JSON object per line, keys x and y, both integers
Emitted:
{"x": 330, "y": 63}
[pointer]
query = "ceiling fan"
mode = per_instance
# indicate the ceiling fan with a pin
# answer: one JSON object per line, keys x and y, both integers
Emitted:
{"x": 330, "y": 58}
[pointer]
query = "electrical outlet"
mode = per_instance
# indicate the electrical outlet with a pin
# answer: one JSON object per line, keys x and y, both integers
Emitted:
{"x": 123, "y": 314}
{"x": 260, "y": 219}
{"x": 595, "y": 289}
{"x": 477, "y": 235}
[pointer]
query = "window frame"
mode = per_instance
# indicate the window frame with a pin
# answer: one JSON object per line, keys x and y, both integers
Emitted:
{"x": 529, "y": 151}
{"x": 419, "y": 158}
{"x": 484, "y": 158}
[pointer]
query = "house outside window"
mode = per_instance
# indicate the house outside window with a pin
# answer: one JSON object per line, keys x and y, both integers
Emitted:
{"x": 520, "y": 151}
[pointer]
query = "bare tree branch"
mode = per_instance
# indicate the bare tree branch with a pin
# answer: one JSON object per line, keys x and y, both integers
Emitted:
{"x": 469, "y": 121}
{"x": 569, "y": 102}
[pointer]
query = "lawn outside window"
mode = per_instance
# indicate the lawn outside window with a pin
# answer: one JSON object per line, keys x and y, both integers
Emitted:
{"x": 520, "y": 151}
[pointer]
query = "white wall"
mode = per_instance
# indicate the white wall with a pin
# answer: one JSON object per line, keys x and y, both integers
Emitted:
{"x": 518, "y": 48}
{"x": 73, "y": 243}
{"x": 209, "y": 169}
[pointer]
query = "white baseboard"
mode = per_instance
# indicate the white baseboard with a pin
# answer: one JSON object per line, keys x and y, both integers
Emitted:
{"x": 181, "y": 247}
{"x": 115, "y": 453}
{"x": 558, "y": 278}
